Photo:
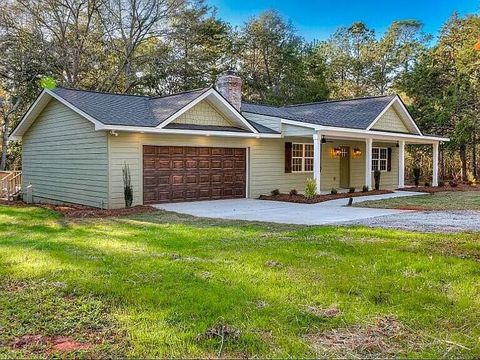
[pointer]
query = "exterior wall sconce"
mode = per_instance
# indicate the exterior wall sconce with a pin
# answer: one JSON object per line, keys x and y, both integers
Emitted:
{"x": 357, "y": 152}
{"x": 323, "y": 141}
{"x": 337, "y": 151}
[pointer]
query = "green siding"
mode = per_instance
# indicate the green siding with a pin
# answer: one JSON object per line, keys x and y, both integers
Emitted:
{"x": 65, "y": 159}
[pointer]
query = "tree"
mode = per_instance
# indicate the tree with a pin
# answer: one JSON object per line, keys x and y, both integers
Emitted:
{"x": 270, "y": 59}
{"x": 443, "y": 86}
{"x": 199, "y": 47}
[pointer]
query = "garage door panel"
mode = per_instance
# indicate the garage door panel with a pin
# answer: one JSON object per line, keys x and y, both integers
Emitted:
{"x": 174, "y": 173}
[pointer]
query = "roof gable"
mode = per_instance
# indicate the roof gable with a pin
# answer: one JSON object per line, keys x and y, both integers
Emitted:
{"x": 203, "y": 114}
{"x": 390, "y": 121}
{"x": 395, "y": 118}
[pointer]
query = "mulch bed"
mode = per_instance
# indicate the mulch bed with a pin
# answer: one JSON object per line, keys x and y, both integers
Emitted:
{"x": 320, "y": 198}
{"x": 431, "y": 189}
{"x": 79, "y": 211}
{"x": 76, "y": 211}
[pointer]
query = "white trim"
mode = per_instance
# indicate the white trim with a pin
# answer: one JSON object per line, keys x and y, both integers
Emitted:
{"x": 435, "y": 164}
{"x": 408, "y": 115}
{"x": 368, "y": 163}
{"x": 48, "y": 93}
{"x": 379, "y": 158}
{"x": 396, "y": 99}
{"x": 401, "y": 164}
{"x": 98, "y": 124}
{"x": 364, "y": 134}
{"x": 317, "y": 159}
{"x": 141, "y": 129}
{"x": 303, "y": 157}
{"x": 381, "y": 113}
{"x": 211, "y": 92}
{"x": 247, "y": 172}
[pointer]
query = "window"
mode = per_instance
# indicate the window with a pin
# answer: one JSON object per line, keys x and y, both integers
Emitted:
{"x": 302, "y": 157}
{"x": 379, "y": 159}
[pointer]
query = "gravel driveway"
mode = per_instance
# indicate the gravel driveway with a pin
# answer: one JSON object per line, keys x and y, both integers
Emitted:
{"x": 426, "y": 221}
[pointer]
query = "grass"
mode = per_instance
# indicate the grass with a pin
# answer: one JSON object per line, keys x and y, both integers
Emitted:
{"x": 448, "y": 200}
{"x": 165, "y": 285}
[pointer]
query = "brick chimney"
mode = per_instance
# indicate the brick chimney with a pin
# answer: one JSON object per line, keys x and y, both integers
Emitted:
{"x": 230, "y": 86}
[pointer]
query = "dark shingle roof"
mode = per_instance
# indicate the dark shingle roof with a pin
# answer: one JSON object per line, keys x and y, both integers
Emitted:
{"x": 134, "y": 110}
{"x": 350, "y": 113}
{"x": 127, "y": 110}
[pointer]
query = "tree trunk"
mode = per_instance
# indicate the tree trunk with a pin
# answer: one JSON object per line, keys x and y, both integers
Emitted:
{"x": 463, "y": 159}
{"x": 3, "y": 161}
{"x": 474, "y": 155}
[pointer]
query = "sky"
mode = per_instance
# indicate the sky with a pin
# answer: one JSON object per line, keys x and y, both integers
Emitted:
{"x": 318, "y": 19}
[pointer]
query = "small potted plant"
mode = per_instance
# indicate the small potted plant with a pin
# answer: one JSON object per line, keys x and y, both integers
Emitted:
{"x": 310, "y": 189}
{"x": 376, "y": 176}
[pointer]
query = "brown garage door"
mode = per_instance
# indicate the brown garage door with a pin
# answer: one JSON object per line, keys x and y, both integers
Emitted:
{"x": 184, "y": 173}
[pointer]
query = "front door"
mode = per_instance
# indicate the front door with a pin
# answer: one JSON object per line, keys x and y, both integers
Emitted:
{"x": 345, "y": 167}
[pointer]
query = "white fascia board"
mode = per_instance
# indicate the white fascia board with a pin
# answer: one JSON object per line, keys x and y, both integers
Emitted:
{"x": 210, "y": 93}
{"x": 381, "y": 114}
{"x": 149, "y": 130}
{"x": 18, "y": 133}
{"x": 30, "y": 116}
{"x": 398, "y": 101}
{"x": 367, "y": 134}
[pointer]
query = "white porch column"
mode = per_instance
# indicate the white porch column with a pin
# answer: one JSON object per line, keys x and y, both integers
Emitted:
{"x": 435, "y": 164}
{"x": 317, "y": 154}
{"x": 368, "y": 163}
{"x": 401, "y": 164}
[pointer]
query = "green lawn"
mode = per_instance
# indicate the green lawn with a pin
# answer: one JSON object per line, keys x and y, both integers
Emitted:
{"x": 165, "y": 285}
{"x": 447, "y": 200}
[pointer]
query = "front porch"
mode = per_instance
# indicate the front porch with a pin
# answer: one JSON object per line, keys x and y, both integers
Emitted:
{"x": 345, "y": 159}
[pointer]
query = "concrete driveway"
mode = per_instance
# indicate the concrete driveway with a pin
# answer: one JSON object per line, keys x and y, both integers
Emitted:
{"x": 329, "y": 212}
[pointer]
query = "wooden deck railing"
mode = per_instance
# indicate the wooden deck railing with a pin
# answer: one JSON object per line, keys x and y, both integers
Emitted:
{"x": 10, "y": 184}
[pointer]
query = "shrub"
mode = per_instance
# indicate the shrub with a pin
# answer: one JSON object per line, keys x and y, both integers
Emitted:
{"x": 416, "y": 175}
{"x": 441, "y": 183}
{"x": 293, "y": 192}
{"x": 427, "y": 184}
{"x": 453, "y": 183}
{"x": 351, "y": 190}
{"x": 127, "y": 185}
{"x": 333, "y": 191}
{"x": 310, "y": 189}
{"x": 275, "y": 192}
{"x": 376, "y": 176}
{"x": 471, "y": 179}
{"x": 365, "y": 188}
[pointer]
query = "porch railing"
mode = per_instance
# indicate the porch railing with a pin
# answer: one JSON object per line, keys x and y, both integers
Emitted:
{"x": 10, "y": 184}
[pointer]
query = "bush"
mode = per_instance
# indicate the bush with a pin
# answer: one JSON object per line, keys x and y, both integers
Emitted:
{"x": 376, "y": 176}
{"x": 471, "y": 179}
{"x": 416, "y": 175}
{"x": 351, "y": 190}
{"x": 441, "y": 184}
{"x": 427, "y": 184}
{"x": 275, "y": 192}
{"x": 333, "y": 191}
{"x": 453, "y": 183}
{"x": 293, "y": 192}
{"x": 365, "y": 188}
{"x": 311, "y": 189}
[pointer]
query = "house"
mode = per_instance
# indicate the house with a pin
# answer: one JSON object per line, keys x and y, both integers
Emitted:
{"x": 208, "y": 144}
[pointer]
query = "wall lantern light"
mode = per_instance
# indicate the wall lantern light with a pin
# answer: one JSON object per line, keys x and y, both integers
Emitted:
{"x": 357, "y": 152}
{"x": 337, "y": 151}
{"x": 323, "y": 139}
